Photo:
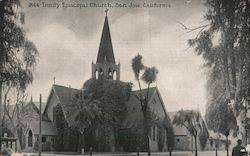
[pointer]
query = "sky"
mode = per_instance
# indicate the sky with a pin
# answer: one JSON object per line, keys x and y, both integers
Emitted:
{"x": 68, "y": 40}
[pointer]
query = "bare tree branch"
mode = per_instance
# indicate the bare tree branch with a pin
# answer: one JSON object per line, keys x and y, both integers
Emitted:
{"x": 202, "y": 27}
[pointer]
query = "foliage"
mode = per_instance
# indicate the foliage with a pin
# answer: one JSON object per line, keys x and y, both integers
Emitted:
{"x": 149, "y": 76}
{"x": 220, "y": 119}
{"x": 170, "y": 133}
{"x": 112, "y": 96}
{"x": 204, "y": 136}
{"x": 18, "y": 58}
{"x": 228, "y": 59}
{"x": 137, "y": 65}
{"x": 83, "y": 110}
{"x": 130, "y": 140}
{"x": 192, "y": 121}
{"x": 61, "y": 125}
{"x": 100, "y": 104}
{"x": 7, "y": 152}
{"x": 18, "y": 54}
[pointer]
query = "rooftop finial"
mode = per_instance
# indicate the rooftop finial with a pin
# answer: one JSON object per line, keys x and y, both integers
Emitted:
{"x": 106, "y": 11}
{"x": 54, "y": 78}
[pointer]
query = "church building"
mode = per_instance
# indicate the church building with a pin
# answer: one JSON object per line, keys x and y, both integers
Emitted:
{"x": 62, "y": 137}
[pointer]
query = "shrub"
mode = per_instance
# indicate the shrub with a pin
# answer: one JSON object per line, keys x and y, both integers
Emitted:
{"x": 7, "y": 152}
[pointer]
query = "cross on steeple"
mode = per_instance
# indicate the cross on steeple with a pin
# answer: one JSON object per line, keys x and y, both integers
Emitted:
{"x": 106, "y": 11}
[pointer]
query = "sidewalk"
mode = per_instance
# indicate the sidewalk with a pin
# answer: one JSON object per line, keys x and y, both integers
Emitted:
{"x": 175, "y": 153}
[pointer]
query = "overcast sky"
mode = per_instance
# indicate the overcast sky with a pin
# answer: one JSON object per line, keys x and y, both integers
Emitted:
{"x": 68, "y": 41}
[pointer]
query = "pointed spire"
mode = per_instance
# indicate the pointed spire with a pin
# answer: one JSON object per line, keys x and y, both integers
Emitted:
{"x": 105, "y": 52}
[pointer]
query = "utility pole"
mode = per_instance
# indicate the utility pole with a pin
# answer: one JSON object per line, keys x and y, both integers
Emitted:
{"x": 1, "y": 65}
{"x": 40, "y": 127}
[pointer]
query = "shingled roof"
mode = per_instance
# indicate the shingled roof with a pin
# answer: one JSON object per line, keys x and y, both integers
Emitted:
{"x": 64, "y": 96}
{"x": 105, "y": 52}
{"x": 64, "y": 93}
{"x": 133, "y": 107}
{"x": 36, "y": 106}
{"x": 134, "y": 113}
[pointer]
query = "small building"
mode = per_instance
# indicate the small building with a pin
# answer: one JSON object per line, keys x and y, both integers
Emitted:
{"x": 30, "y": 130}
{"x": 183, "y": 140}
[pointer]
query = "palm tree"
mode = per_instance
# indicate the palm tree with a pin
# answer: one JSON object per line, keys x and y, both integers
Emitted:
{"x": 149, "y": 76}
{"x": 82, "y": 111}
{"x": 192, "y": 121}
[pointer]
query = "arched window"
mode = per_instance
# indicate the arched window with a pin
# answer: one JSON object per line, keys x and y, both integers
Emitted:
{"x": 101, "y": 72}
{"x": 96, "y": 74}
{"x": 114, "y": 75}
{"x": 30, "y": 138}
{"x": 110, "y": 74}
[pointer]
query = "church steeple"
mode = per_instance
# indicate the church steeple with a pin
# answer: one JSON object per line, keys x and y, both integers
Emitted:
{"x": 105, "y": 64}
{"x": 105, "y": 52}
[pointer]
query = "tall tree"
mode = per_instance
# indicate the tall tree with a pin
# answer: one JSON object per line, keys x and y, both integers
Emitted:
{"x": 220, "y": 119}
{"x": 14, "y": 111}
{"x": 83, "y": 112}
{"x": 204, "y": 135}
{"x": 100, "y": 105}
{"x": 192, "y": 121}
{"x": 228, "y": 59}
{"x": 17, "y": 54}
{"x": 148, "y": 75}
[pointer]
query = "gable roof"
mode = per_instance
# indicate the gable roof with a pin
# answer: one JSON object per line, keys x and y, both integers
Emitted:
{"x": 36, "y": 106}
{"x": 134, "y": 112}
{"x": 105, "y": 52}
{"x": 64, "y": 96}
{"x": 133, "y": 106}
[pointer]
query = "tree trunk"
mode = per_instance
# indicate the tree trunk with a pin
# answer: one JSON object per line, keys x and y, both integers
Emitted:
{"x": 226, "y": 74}
{"x": 233, "y": 68}
{"x": 144, "y": 105}
{"x": 147, "y": 126}
{"x": 1, "y": 66}
{"x": 112, "y": 140}
{"x": 148, "y": 143}
{"x": 195, "y": 145}
{"x": 240, "y": 114}
{"x": 81, "y": 142}
{"x": 227, "y": 145}
{"x": 18, "y": 144}
{"x": 146, "y": 130}
{"x": 0, "y": 114}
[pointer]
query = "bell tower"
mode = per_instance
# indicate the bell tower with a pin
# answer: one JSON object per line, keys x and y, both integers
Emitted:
{"x": 105, "y": 65}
